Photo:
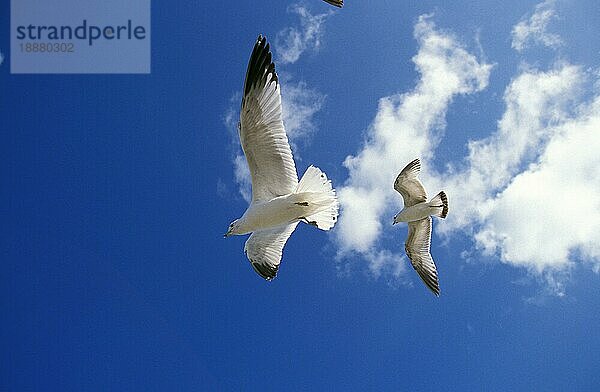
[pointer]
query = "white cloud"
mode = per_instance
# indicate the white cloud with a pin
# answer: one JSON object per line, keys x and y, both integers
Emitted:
{"x": 1, "y": 58}
{"x": 406, "y": 126}
{"x": 386, "y": 262}
{"x": 528, "y": 194}
{"x": 548, "y": 216}
{"x": 299, "y": 104}
{"x": 242, "y": 176}
{"x": 533, "y": 30}
{"x": 291, "y": 42}
{"x": 535, "y": 102}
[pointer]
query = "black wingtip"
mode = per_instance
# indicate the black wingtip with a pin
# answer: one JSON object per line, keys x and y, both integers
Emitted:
{"x": 444, "y": 203}
{"x": 414, "y": 164}
{"x": 260, "y": 65}
{"x": 266, "y": 272}
{"x": 432, "y": 284}
{"x": 336, "y": 3}
{"x": 430, "y": 280}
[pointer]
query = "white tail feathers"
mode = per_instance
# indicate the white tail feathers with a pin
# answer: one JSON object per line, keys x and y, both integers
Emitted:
{"x": 322, "y": 194}
{"x": 314, "y": 180}
{"x": 440, "y": 200}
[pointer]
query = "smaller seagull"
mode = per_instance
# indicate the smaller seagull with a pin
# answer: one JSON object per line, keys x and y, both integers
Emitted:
{"x": 337, "y": 3}
{"x": 417, "y": 212}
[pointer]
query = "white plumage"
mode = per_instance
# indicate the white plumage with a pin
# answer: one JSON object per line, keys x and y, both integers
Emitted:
{"x": 279, "y": 201}
{"x": 417, "y": 212}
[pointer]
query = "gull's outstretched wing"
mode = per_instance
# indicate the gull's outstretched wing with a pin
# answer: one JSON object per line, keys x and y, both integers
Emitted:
{"x": 337, "y": 3}
{"x": 417, "y": 249}
{"x": 409, "y": 186}
{"x": 261, "y": 130}
{"x": 264, "y": 249}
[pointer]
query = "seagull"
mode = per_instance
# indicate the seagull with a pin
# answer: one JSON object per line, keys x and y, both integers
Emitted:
{"x": 417, "y": 212}
{"x": 279, "y": 201}
{"x": 337, "y": 3}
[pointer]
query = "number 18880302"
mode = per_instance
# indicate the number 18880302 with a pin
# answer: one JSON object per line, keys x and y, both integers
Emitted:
{"x": 50, "y": 47}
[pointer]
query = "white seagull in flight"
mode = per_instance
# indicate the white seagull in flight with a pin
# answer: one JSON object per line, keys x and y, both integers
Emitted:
{"x": 279, "y": 201}
{"x": 417, "y": 212}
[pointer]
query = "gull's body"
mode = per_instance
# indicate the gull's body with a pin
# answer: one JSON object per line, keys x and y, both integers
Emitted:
{"x": 417, "y": 213}
{"x": 278, "y": 211}
{"x": 279, "y": 200}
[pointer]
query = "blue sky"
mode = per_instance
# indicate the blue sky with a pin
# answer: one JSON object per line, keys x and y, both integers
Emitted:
{"x": 117, "y": 189}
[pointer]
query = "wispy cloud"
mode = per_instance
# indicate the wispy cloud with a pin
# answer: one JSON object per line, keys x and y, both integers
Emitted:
{"x": 1, "y": 58}
{"x": 240, "y": 166}
{"x": 300, "y": 104}
{"x": 242, "y": 176}
{"x": 291, "y": 42}
{"x": 533, "y": 30}
{"x": 406, "y": 126}
{"x": 385, "y": 262}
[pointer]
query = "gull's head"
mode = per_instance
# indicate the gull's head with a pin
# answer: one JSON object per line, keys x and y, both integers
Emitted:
{"x": 399, "y": 217}
{"x": 232, "y": 230}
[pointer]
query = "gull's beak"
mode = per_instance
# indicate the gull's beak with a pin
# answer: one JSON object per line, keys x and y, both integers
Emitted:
{"x": 228, "y": 234}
